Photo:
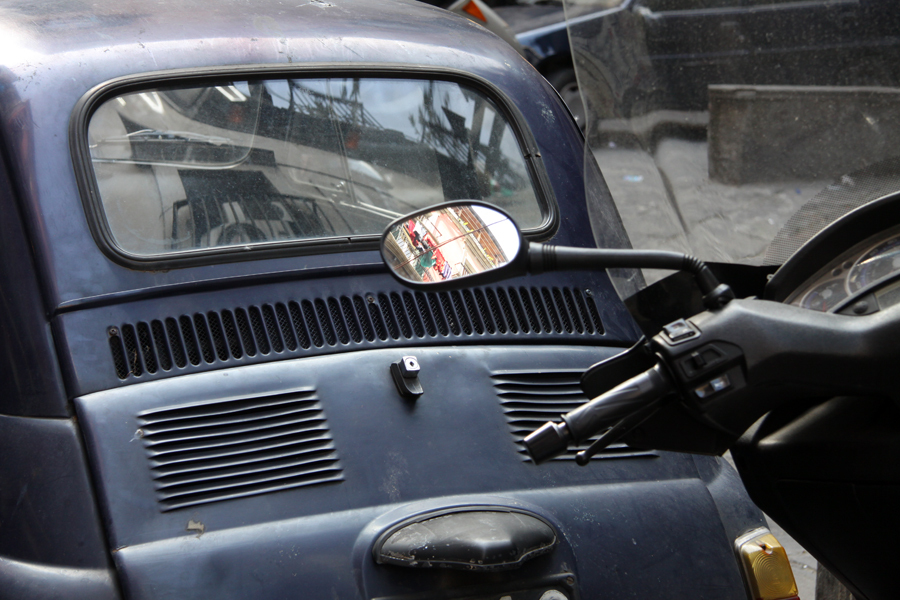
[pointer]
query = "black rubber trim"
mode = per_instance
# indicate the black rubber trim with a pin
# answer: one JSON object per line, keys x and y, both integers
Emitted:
{"x": 222, "y": 283}
{"x": 88, "y": 189}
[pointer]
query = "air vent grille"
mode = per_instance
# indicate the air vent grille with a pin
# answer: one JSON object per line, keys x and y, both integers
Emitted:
{"x": 531, "y": 398}
{"x": 291, "y": 328}
{"x": 214, "y": 451}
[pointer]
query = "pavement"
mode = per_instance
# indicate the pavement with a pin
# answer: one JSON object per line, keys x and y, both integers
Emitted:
{"x": 802, "y": 562}
{"x": 667, "y": 202}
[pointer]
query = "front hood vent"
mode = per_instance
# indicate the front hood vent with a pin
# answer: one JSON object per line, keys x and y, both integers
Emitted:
{"x": 226, "y": 449}
{"x": 531, "y": 398}
{"x": 206, "y": 339}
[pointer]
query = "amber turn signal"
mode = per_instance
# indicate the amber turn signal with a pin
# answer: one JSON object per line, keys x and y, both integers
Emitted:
{"x": 766, "y": 566}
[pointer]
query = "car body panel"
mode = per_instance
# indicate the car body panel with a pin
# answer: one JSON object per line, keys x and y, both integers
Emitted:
{"x": 302, "y": 534}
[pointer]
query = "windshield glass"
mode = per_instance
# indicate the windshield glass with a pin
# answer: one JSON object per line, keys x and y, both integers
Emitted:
{"x": 241, "y": 164}
{"x": 737, "y": 129}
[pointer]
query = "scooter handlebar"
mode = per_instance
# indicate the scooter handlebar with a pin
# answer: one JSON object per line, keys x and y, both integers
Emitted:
{"x": 602, "y": 412}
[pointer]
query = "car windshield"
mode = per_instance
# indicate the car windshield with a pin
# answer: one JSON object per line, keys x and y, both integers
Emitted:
{"x": 239, "y": 164}
{"x": 737, "y": 129}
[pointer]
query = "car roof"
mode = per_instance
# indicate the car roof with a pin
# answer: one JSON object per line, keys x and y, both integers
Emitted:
{"x": 54, "y": 53}
{"x": 93, "y": 41}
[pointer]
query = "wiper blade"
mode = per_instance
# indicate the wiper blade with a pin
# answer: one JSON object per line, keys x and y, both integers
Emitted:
{"x": 150, "y": 135}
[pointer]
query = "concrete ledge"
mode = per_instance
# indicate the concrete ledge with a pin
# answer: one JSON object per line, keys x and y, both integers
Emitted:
{"x": 783, "y": 133}
{"x": 648, "y": 129}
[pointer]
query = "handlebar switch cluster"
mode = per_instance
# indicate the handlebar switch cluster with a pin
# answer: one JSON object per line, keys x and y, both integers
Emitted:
{"x": 704, "y": 370}
{"x": 680, "y": 331}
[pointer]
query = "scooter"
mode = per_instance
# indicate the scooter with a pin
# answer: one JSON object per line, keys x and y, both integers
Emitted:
{"x": 805, "y": 400}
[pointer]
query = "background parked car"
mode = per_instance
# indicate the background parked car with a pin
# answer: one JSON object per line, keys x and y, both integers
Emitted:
{"x": 693, "y": 43}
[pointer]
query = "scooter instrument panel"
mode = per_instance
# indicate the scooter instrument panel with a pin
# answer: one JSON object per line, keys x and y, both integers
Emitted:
{"x": 864, "y": 266}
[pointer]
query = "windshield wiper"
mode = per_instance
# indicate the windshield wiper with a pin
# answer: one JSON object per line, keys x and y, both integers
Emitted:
{"x": 149, "y": 135}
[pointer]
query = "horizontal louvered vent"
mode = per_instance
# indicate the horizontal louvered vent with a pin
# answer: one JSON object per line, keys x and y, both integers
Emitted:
{"x": 228, "y": 449}
{"x": 322, "y": 324}
{"x": 531, "y": 398}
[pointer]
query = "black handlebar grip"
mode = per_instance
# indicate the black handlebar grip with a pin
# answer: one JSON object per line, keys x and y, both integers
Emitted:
{"x": 548, "y": 441}
{"x": 607, "y": 409}
{"x": 593, "y": 417}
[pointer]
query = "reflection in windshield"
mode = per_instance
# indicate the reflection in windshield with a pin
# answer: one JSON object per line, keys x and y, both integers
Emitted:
{"x": 449, "y": 243}
{"x": 722, "y": 125}
{"x": 243, "y": 163}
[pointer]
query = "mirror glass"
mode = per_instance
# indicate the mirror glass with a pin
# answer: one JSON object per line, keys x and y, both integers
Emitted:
{"x": 450, "y": 242}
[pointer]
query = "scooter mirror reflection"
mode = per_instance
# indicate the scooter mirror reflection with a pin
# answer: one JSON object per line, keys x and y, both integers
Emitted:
{"x": 450, "y": 242}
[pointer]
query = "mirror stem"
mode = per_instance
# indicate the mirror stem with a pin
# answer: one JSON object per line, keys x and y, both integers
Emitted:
{"x": 543, "y": 257}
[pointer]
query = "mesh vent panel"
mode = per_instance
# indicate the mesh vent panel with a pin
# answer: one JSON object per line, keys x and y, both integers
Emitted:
{"x": 246, "y": 334}
{"x": 203, "y": 338}
{"x": 472, "y": 311}
{"x": 352, "y": 320}
{"x": 538, "y": 307}
{"x": 363, "y": 315}
{"x": 190, "y": 342}
{"x": 402, "y": 319}
{"x": 231, "y": 332}
{"x": 427, "y": 317}
{"x": 146, "y": 344}
{"x": 459, "y": 306}
{"x": 413, "y": 313}
{"x": 299, "y": 325}
{"x": 177, "y": 345}
{"x": 271, "y": 323}
{"x": 377, "y": 321}
{"x": 450, "y": 313}
{"x": 594, "y": 313}
{"x": 287, "y": 329}
{"x": 118, "y": 354}
{"x": 290, "y": 328}
{"x": 259, "y": 332}
{"x": 327, "y": 329}
{"x": 162, "y": 345}
{"x": 131, "y": 351}
{"x": 309, "y": 317}
{"x": 218, "y": 335}
{"x": 334, "y": 309}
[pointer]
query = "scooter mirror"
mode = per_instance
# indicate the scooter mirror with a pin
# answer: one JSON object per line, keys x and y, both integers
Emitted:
{"x": 455, "y": 241}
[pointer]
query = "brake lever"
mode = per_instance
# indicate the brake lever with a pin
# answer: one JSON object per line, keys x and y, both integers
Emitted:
{"x": 607, "y": 374}
{"x": 620, "y": 430}
{"x": 618, "y": 404}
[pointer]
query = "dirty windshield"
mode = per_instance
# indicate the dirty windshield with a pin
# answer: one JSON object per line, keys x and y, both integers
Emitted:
{"x": 737, "y": 129}
{"x": 238, "y": 164}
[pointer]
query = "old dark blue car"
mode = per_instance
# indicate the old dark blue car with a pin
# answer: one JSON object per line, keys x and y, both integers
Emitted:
{"x": 198, "y": 330}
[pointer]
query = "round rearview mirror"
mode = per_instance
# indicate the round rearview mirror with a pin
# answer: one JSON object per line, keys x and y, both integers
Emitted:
{"x": 450, "y": 242}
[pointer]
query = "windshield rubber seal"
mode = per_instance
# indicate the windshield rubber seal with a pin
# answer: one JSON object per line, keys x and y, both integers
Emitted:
{"x": 89, "y": 190}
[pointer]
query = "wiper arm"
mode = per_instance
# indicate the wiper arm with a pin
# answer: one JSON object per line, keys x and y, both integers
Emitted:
{"x": 168, "y": 136}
